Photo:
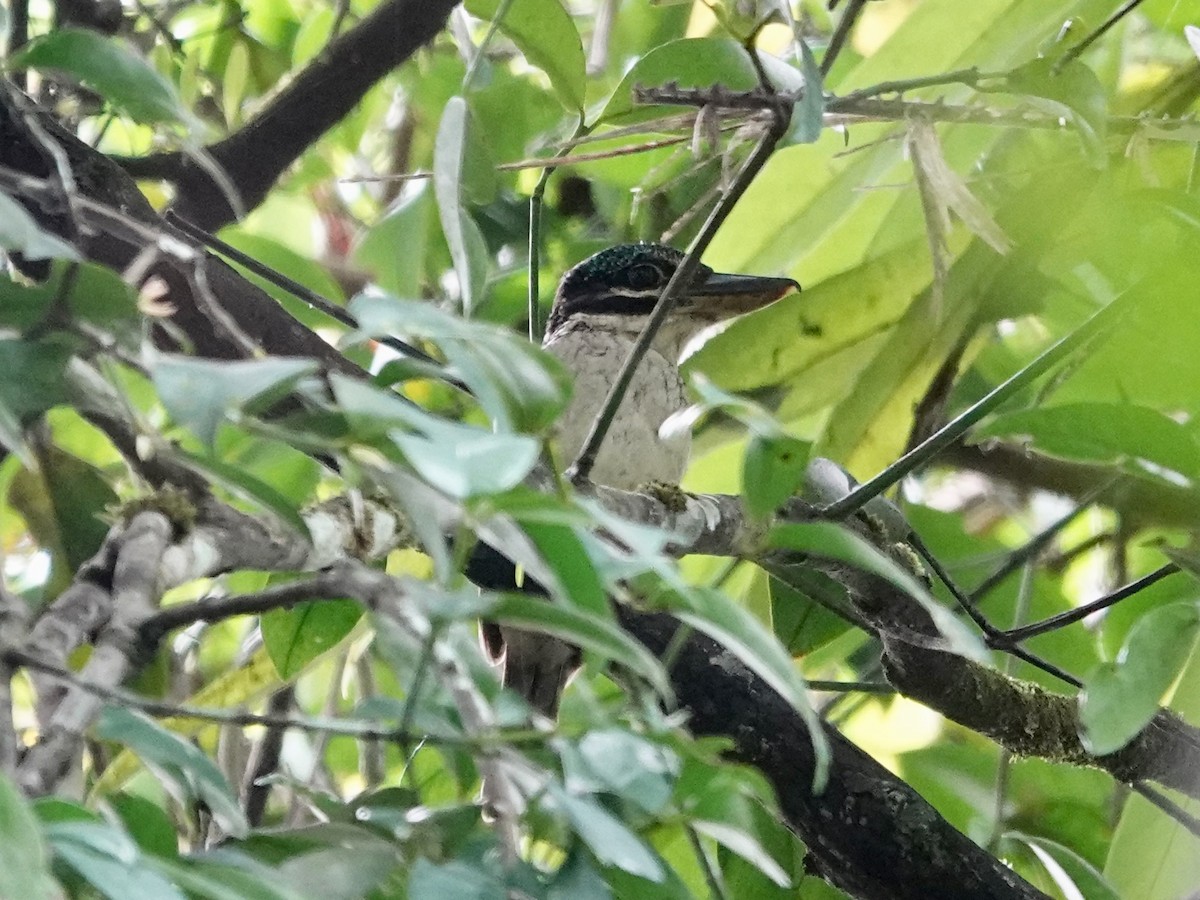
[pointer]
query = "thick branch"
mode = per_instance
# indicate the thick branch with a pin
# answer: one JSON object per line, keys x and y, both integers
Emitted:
{"x": 322, "y": 95}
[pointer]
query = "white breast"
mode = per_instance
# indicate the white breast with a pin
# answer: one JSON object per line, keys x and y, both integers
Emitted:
{"x": 632, "y": 453}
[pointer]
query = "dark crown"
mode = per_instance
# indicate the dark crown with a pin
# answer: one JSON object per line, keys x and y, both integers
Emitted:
{"x": 623, "y": 280}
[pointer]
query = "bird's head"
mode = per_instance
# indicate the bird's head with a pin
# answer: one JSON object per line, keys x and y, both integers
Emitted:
{"x": 616, "y": 289}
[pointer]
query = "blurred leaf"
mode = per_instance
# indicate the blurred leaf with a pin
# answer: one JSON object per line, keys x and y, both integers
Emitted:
{"x": 64, "y": 502}
{"x": 24, "y": 862}
{"x": 109, "y": 67}
{"x": 31, "y": 381}
{"x": 586, "y": 629}
{"x": 147, "y": 823}
{"x": 454, "y": 880}
{"x": 808, "y": 118}
{"x": 1102, "y": 432}
{"x": 467, "y": 247}
{"x": 236, "y": 881}
{"x": 243, "y": 484}
{"x": 1073, "y": 90}
{"x": 108, "y": 861}
{"x": 546, "y": 35}
{"x": 295, "y": 637}
{"x": 634, "y": 768}
{"x": 772, "y": 470}
{"x": 610, "y": 841}
{"x": 199, "y": 392}
{"x": 184, "y": 766}
{"x": 800, "y": 623}
{"x": 90, "y": 291}
{"x": 460, "y": 460}
{"x": 394, "y": 248}
{"x": 1153, "y": 857}
{"x": 719, "y": 803}
{"x": 521, "y": 387}
{"x": 1119, "y": 698}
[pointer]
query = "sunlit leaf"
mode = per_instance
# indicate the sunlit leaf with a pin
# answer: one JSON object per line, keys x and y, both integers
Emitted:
{"x": 544, "y": 32}
{"x": 467, "y": 247}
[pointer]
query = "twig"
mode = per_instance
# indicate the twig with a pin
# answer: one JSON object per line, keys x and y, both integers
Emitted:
{"x": 1099, "y": 323}
{"x": 1037, "y": 544}
{"x": 1016, "y": 635}
{"x": 1169, "y": 806}
{"x": 1075, "y": 52}
{"x": 478, "y": 54}
{"x": 216, "y": 609}
{"x": 535, "y": 231}
{"x": 840, "y": 34}
{"x": 296, "y": 289}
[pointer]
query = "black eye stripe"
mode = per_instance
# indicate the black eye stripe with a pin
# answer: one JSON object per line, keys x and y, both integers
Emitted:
{"x": 613, "y": 304}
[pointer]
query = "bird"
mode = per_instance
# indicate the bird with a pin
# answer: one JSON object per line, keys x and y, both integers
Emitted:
{"x": 599, "y": 310}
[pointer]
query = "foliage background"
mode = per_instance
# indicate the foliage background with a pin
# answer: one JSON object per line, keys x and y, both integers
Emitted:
{"x": 422, "y": 191}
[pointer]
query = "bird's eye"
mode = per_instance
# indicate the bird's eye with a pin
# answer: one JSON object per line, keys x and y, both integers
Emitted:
{"x": 644, "y": 276}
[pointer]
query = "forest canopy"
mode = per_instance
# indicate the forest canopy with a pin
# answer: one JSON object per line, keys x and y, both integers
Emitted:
{"x": 921, "y": 619}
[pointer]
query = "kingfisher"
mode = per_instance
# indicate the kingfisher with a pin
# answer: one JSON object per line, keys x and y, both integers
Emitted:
{"x": 600, "y": 308}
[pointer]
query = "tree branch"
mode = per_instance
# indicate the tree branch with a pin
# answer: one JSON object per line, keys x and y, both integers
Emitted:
{"x": 254, "y": 156}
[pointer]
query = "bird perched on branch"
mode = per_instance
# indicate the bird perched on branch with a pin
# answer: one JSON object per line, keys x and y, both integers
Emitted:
{"x": 601, "y": 307}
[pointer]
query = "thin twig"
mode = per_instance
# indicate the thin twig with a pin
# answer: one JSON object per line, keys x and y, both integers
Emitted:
{"x": 1037, "y": 543}
{"x": 1169, "y": 806}
{"x": 535, "y": 232}
{"x": 1099, "y": 323}
{"x": 840, "y": 34}
{"x": 1016, "y": 635}
{"x": 581, "y": 468}
{"x": 1075, "y": 52}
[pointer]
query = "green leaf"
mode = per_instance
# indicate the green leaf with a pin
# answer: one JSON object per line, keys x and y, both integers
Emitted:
{"x": 242, "y": 880}
{"x": 634, "y": 768}
{"x": 181, "y": 763}
{"x": 394, "y": 248}
{"x": 1074, "y": 91}
{"x": 31, "y": 381}
{"x": 295, "y": 637}
{"x": 544, "y": 32}
{"x": 605, "y": 835}
{"x": 199, "y": 392}
{"x": 772, "y": 469}
{"x": 1119, "y": 698}
{"x": 809, "y": 115}
{"x": 19, "y": 232}
{"x": 454, "y": 880}
{"x": 1152, "y": 856}
{"x": 109, "y": 861}
{"x": 1102, "y": 432}
{"x": 110, "y": 67}
{"x": 24, "y": 862}
{"x": 754, "y": 646}
{"x": 833, "y": 542}
{"x": 241, "y": 483}
{"x": 721, "y": 801}
{"x": 467, "y": 247}
{"x": 147, "y": 823}
{"x": 460, "y": 460}
{"x": 800, "y": 622}
{"x": 519, "y": 385}
{"x": 586, "y": 629}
